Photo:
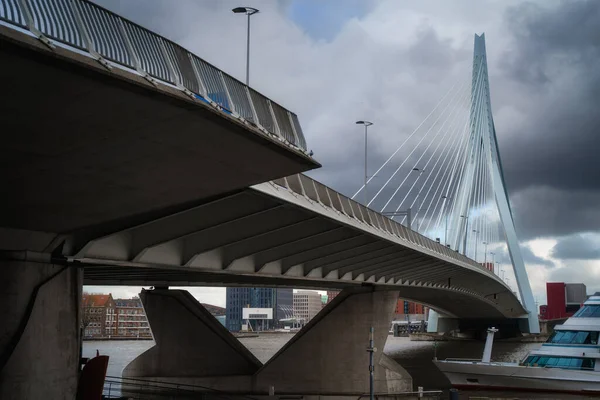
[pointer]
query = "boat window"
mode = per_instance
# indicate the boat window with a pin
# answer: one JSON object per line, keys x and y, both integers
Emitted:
{"x": 574, "y": 337}
{"x": 568, "y": 337}
{"x": 576, "y": 363}
{"x": 580, "y": 337}
{"x": 557, "y": 336}
{"x": 560, "y": 362}
{"x": 588, "y": 312}
{"x": 542, "y": 361}
{"x": 588, "y": 363}
{"x": 552, "y": 361}
{"x": 563, "y": 362}
{"x": 531, "y": 360}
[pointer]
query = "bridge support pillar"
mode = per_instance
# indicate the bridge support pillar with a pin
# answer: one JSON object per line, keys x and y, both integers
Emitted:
{"x": 40, "y": 330}
{"x": 192, "y": 347}
{"x": 329, "y": 355}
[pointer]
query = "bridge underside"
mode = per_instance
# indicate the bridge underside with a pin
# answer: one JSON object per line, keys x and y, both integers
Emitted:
{"x": 85, "y": 148}
{"x": 269, "y": 236}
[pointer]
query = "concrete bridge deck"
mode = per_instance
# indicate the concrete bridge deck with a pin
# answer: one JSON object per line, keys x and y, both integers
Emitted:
{"x": 90, "y": 148}
{"x": 295, "y": 232}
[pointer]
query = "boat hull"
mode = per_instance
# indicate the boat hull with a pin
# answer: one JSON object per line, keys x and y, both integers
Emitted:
{"x": 513, "y": 376}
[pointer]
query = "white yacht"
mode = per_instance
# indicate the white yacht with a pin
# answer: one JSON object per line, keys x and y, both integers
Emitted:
{"x": 569, "y": 361}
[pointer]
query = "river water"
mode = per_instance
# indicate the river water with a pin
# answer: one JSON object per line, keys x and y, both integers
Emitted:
{"x": 415, "y": 357}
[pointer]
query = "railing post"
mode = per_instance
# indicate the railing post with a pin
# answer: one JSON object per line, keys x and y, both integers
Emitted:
{"x": 294, "y": 130}
{"x": 199, "y": 78}
{"x": 31, "y": 25}
{"x": 174, "y": 75}
{"x": 275, "y": 124}
{"x": 231, "y": 104}
{"x": 89, "y": 44}
{"x": 254, "y": 113}
{"x": 134, "y": 58}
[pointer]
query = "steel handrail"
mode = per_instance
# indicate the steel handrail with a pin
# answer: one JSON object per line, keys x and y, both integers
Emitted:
{"x": 115, "y": 41}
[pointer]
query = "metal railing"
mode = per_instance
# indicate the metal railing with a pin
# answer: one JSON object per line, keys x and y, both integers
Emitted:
{"x": 114, "y": 40}
{"x": 317, "y": 192}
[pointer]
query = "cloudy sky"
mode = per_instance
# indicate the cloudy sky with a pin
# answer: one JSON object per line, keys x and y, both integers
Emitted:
{"x": 335, "y": 61}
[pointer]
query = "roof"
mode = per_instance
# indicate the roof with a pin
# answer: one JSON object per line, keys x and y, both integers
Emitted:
{"x": 95, "y": 300}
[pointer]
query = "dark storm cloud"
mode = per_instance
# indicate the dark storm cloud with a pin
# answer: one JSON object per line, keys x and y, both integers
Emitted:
{"x": 502, "y": 256}
{"x": 577, "y": 247}
{"x": 554, "y": 66}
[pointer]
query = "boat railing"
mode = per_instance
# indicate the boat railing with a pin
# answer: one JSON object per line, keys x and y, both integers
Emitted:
{"x": 138, "y": 389}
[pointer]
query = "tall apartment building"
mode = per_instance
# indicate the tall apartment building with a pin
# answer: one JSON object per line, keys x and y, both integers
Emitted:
{"x": 98, "y": 317}
{"x": 280, "y": 300}
{"x": 131, "y": 319}
{"x": 105, "y": 317}
{"x": 307, "y": 304}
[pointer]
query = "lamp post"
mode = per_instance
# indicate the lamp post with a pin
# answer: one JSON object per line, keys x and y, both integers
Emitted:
{"x": 446, "y": 228}
{"x": 367, "y": 124}
{"x": 476, "y": 232}
{"x": 466, "y": 232}
{"x": 485, "y": 254}
{"x": 249, "y": 11}
{"x": 498, "y": 267}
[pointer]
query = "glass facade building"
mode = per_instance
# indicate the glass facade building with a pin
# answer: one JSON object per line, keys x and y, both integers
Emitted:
{"x": 280, "y": 300}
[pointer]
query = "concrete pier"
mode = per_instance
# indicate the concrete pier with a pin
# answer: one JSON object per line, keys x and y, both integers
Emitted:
{"x": 40, "y": 331}
{"x": 190, "y": 342}
{"x": 327, "y": 357}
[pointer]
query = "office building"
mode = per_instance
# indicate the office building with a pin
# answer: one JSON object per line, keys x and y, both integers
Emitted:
{"x": 280, "y": 300}
{"x": 307, "y": 304}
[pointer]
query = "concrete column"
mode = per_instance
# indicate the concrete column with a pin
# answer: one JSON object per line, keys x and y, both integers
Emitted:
{"x": 40, "y": 330}
{"x": 190, "y": 343}
{"x": 329, "y": 355}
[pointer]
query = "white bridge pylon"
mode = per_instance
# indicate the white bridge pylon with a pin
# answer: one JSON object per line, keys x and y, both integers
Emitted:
{"x": 449, "y": 184}
{"x": 483, "y": 154}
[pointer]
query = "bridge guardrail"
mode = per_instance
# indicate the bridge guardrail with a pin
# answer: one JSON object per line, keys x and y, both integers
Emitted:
{"x": 315, "y": 191}
{"x": 112, "y": 39}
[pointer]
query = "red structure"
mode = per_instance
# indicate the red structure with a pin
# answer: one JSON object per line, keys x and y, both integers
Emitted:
{"x": 408, "y": 307}
{"x": 489, "y": 266}
{"x": 564, "y": 299}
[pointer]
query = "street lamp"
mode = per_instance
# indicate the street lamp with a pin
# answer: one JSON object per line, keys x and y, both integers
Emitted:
{"x": 249, "y": 11}
{"x": 485, "y": 254}
{"x": 367, "y": 124}
{"x": 446, "y": 229}
{"x": 498, "y": 265}
{"x": 466, "y": 231}
{"x": 476, "y": 232}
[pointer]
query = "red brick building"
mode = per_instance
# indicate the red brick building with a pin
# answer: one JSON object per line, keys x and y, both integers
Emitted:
{"x": 331, "y": 295}
{"x": 98, "y": 317}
